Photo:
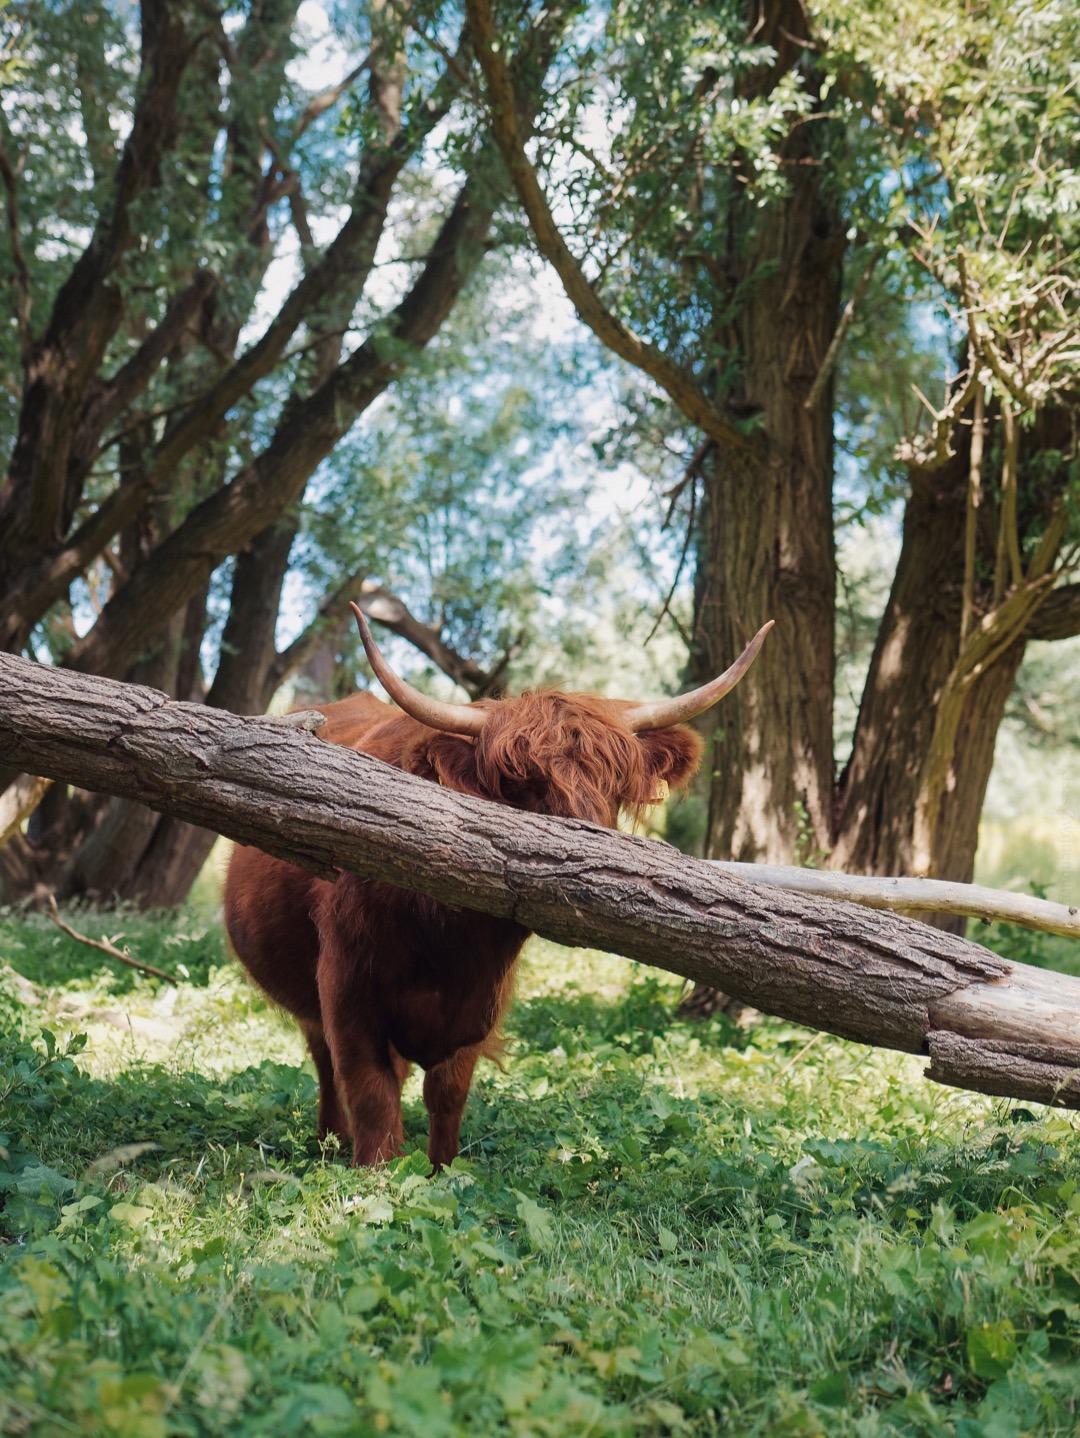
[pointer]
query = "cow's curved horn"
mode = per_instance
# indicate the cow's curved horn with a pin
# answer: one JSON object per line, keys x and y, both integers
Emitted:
{"x": 450, "y": 718}
{"x": 665, "y": 712}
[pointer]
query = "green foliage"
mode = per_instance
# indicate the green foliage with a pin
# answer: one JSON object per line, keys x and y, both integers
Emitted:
{"x": 35, "y": 1076}
{"x": 1028, "y": 946}
{"x": 464, "y": 494}
{"x": 655, "y": 1228}
{"x": 188, "y": 943}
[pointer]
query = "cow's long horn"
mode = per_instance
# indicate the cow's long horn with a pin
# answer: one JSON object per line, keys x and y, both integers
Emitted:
{"x": 665, "y": 712}
{"x": 450, "y": 718}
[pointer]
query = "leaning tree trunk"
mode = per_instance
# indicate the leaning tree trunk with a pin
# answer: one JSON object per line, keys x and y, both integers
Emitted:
{"x": 985, "y": 1023}
{"x": 916, "y": 649}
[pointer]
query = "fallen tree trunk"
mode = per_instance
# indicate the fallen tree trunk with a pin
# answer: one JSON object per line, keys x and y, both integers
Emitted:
{"x": 985, "y": 1023}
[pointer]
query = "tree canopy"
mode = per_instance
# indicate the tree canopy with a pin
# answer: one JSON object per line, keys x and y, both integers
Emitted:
{"x": 277, "y": 334}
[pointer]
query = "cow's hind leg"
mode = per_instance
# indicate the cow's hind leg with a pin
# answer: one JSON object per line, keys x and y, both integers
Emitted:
{"x": 332, "y": 1118}
{"x": 446, "y": 1088}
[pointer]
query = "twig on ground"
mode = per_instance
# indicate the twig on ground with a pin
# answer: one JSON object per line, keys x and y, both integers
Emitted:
{"x": 105, "y": 946}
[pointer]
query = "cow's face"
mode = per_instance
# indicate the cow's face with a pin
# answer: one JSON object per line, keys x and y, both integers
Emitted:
{"x": 570, "y": 755}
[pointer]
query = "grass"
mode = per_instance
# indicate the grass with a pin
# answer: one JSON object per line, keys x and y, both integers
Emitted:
{"x": 655, "y": 1228}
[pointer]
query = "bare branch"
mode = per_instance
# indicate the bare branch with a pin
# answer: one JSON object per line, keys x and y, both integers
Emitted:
{"x": 836, "y": 344}
{"x": 388, "y": 610}
{"x": 974, "y": 496}
{"x": 933, "y": 451}
{"x": 105, "y": 945}
{"x": 914, "y": 896}
{"x": 1008, "y": 541}
{"x": 327, "y": 99}
{"x": 332, "y": 615}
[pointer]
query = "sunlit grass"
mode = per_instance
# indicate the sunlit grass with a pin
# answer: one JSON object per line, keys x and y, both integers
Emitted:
{"x": 656, "y": 1226}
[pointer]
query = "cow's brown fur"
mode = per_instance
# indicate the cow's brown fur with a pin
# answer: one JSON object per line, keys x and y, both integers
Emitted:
{"x": 379, "y": 978}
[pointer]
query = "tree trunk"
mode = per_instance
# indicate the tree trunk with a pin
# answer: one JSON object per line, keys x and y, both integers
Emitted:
{"x": 247, "y": 677}
{"x": 917, "y": 646}
{"x": 985, "y": 1022}
{"x": 911, "y": 795}
{"x": 767, "y": 549}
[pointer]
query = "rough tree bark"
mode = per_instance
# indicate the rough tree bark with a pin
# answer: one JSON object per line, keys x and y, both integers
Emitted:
{"x": 985, "y": 1023}
{"x": 765, "y": 545}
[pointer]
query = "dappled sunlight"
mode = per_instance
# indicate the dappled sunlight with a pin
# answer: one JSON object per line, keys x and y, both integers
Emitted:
{"x": 649, "y": 1217}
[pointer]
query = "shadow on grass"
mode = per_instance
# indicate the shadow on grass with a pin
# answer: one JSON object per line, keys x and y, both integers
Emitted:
{"x": 583, "y": 1110}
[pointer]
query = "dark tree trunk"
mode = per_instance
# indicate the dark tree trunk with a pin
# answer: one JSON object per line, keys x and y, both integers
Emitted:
{"x": 911, "y": 795}
{"x": 174, "y": 852}
{"x": 766, "y": 540}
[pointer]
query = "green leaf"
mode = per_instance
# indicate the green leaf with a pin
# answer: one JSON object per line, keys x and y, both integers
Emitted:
{"x": 133, "y": 1214}
{"x": 537, "y": 1222}
{"x": 991, "y": 1348}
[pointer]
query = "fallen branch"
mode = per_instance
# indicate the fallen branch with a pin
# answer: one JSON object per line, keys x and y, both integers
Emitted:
{"x": 18, "y": 802}
{"x": 915, "y": 896}
{"x": 106, "y": 946}
{"x": 985, "y": 1023}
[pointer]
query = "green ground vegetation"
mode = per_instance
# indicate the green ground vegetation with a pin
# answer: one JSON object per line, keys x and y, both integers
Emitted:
{"x": 656, "y": 1227}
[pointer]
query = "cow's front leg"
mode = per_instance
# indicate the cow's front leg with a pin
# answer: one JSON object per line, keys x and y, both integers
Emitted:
{"x": 368, "y": 1071}
{"x": 370, "y": 1075}
{"x": 332, "y": 1118}
{"x": 446, "y": 1089}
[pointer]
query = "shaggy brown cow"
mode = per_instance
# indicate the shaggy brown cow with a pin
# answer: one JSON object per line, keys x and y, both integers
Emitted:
{"x": 380, "y": 978}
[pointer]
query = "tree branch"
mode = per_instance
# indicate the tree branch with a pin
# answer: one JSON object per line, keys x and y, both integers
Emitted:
{"x": 985, "y": 1022}
{"x": 836, "y": 344}
{"x": 87, "y": 309}
{"x": 971, "y": 512}
{"x": 676, "y": 382}
{"x": 308, "y": 431}
{"x": 333, "y": 614}
{"x": 21, "y": 277}
{"x": 230, "y": 518}
{"x": 1008, "y": 568}
{"x": 388, "y": 610}
{"x": 1058, "y": 617}
{"x": 105, "y": 945}
{"x": 346, "y": 262}
{"x": 915, "y": 896}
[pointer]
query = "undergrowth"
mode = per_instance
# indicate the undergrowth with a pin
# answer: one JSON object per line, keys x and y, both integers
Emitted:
{"x": 656, "y": 1227}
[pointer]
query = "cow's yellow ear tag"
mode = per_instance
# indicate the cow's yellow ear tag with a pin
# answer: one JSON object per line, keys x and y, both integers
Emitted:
{"x": 661, "y": 792}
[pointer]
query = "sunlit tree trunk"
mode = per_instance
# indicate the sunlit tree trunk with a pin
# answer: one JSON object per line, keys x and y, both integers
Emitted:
{"x": 766, "y": 548}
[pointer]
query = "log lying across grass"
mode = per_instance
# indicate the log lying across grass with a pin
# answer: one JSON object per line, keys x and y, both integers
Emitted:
{"x": 985, "y": 1023}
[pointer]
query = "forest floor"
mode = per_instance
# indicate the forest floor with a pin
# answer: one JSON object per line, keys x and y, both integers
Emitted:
{"x": 656, "y": 1227}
